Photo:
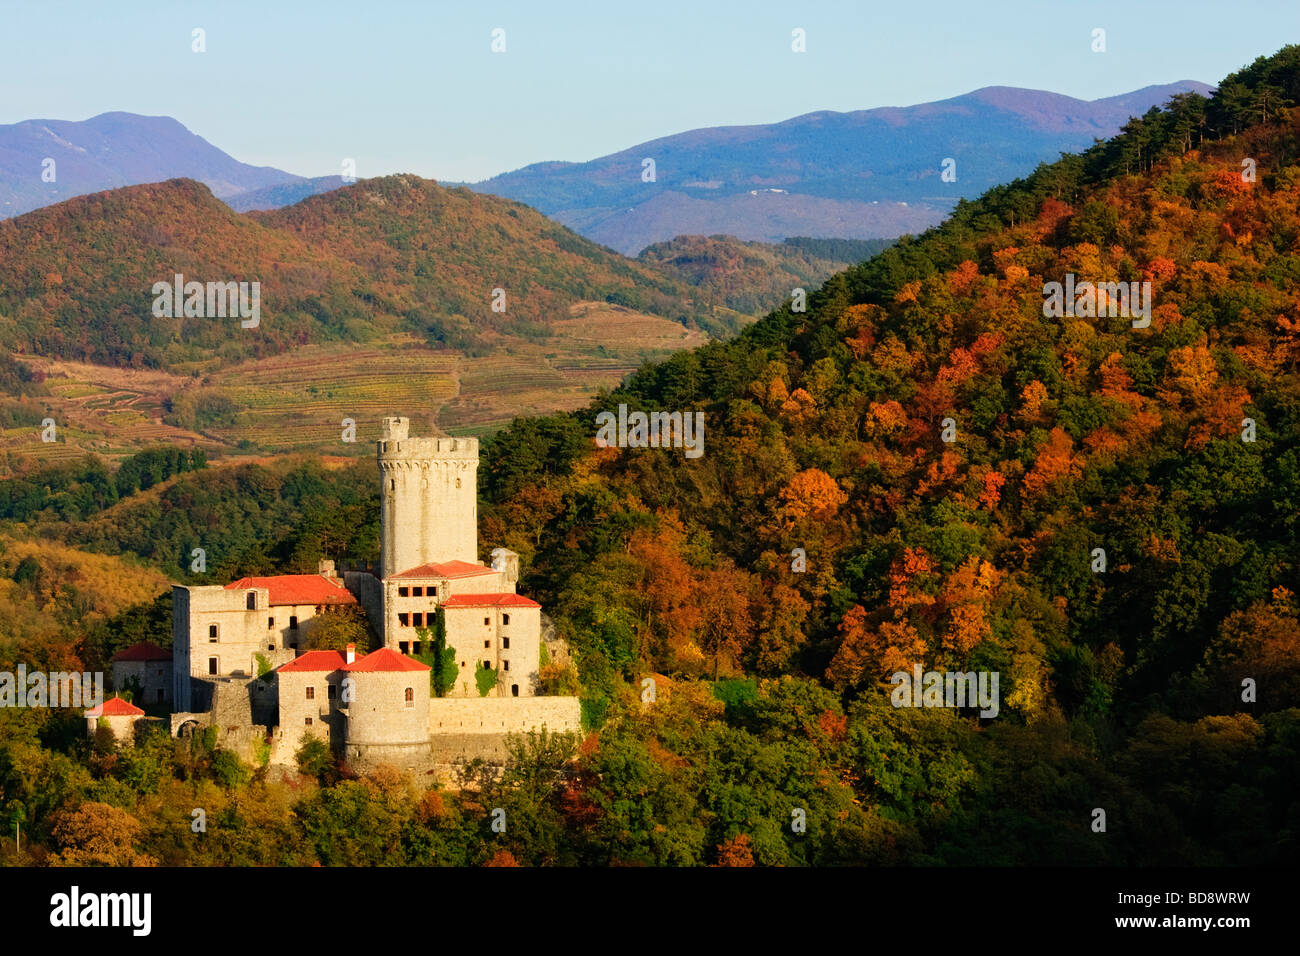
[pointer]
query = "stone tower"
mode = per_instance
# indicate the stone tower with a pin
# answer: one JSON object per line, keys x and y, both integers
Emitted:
{"x": 428, "y": 502}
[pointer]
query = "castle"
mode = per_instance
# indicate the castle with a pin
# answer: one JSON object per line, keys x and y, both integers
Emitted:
{"x": 240, "y": 652}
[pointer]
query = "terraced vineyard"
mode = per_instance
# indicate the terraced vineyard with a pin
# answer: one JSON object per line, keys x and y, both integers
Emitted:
{"x": 298, "y": 400}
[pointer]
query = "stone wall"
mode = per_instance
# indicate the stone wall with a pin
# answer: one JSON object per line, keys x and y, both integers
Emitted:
{"x": 321, "y": 710}
{"x": 369, "y": 592}
{"x": 155, "y": 679}
{"x": 211, "y": 623}
{"x": 503, "y": 715}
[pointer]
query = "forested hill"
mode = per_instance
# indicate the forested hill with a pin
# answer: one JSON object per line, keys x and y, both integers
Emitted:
{"x": 393, "y": 254}
{"x": 824, "y": 433}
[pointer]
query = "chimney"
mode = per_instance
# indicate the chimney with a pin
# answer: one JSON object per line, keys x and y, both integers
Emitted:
{"x": 325, "y": 568}
{"x": 351, "y": 655}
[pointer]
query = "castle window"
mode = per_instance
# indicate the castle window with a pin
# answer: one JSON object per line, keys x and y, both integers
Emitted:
{"x": 392, "y": 484}
{"x": 293, "y": 623}
{"x": 404, "y": 620}
{"x": 505, "y": 618}
{"x": 415, "y": 648}
{"x": 270, "y": 622}
{"x": 505, "y": 642}
{"x": 505, "y": 665}
{"x": 433, "y": 592}
{"x": 410, "y": 697}
{"x": 252, "y": 600}
{"x": 514, "y": 690}
{"x": 331, "y": 692}
{"x": 212, "y": 665}
{"x": 311, "y": 693}
{"x": 417, "y": 592}
{"x": 308, "y": 721}
{"x": 159, "y": 697}
{"x": 487, "y": 643}
{"x": 487, "y": 665}
{"x": 457, "y": 482}
{"x": 418, "y": 619}
{"x": 404, "y": 646}
{"x": 403, "y": 592}
{"x": 212, "y": 632}
{"x": 486, "y": 621}
{"x": 270, "y": 647}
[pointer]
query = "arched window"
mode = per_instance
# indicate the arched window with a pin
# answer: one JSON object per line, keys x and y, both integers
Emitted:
{"x": 410, "y": 697}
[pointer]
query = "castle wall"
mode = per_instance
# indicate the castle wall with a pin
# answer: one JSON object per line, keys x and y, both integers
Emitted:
{"x": 182, "y": 698}
{"x": 369, "y": 592}
{"x": 457, "y": 716}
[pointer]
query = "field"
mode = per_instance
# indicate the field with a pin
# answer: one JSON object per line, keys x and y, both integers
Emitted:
{"x": 298, "y": 400}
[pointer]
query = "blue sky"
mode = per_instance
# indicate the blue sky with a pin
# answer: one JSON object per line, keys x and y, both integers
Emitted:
{"x": 414, "y": 87}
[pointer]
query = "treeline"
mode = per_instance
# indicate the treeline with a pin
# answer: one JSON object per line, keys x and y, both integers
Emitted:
{"x": 78, "y": 490}
{"x": 839, "y": 250}
{"x": 245, "y": 520}
{"x": 742, "y": 773}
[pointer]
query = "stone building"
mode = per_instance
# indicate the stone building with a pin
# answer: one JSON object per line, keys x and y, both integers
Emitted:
{"x": 148, "y": 666}
{"x": 118, "y": 716}
{"x": 245, "y": 628}
{"x": 309, "y": 693}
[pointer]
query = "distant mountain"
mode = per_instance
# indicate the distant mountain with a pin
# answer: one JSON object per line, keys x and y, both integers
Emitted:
{"x": 388, "y": 255}
{"x": 862, "y": 174}
{"x": 283, "y": 194}
{"x": 113, "y": 150}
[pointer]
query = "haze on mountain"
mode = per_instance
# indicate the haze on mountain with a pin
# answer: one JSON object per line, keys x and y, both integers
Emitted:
{"x": 858, "y": 175}
{"x": 864, "y": 174}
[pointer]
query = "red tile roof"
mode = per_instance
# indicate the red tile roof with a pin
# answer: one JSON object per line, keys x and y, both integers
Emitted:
{"x": 507, "y": 599}
{"x": 314, "y": 661}
{"x": 144, "y": 651}
{"x": 297, "y": 589}
{"x": 446, "y": 569}
{"x": 385, "y": 659}
{"x": 115, "y": 707}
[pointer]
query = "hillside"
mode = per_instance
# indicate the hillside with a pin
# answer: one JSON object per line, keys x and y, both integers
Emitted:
{"x": 394, "y": 254}
{"x": 862, "y": 174}
{"x": 1121, "y": 669}
{"x": 360, "y": 288}
{"x": 753, "y": 277}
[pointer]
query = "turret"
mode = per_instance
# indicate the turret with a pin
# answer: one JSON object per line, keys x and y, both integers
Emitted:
{"x": 428, "y": 498}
